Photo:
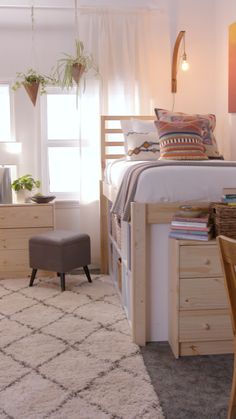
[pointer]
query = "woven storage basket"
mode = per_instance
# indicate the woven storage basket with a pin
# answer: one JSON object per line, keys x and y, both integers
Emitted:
{"x": 224, "y": 220}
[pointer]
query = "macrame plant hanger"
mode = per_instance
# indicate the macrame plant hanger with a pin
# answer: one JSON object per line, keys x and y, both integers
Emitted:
{"x": 77, "y": 68}
{"x": 33, "y": 86}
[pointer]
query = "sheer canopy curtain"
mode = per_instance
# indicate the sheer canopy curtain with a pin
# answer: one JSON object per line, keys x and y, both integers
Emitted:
{"x": 131, "y": 49}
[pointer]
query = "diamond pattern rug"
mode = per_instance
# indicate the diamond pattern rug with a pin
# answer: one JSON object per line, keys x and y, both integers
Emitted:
{"x": 70, "y": 355}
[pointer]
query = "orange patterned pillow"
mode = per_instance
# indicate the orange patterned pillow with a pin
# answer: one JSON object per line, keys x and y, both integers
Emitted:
{"x": 208, "y": 123}
{"x": 180, "y": 140}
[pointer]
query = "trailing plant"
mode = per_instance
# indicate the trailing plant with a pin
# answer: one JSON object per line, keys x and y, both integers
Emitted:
{"x": 80, "y": 63}
{"x": 25, "y": 182}
{"x": 31, "y": 77}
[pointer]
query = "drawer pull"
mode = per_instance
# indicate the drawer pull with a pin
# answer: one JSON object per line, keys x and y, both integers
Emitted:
{"x": 207, "y": 261}
{"x": 206, "y": 326}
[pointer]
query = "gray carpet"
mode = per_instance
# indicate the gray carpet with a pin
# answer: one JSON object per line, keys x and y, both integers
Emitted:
{"x": 189, "y": 387}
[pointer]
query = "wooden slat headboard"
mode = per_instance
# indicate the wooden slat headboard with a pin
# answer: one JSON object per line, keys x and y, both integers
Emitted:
{"x": 113, "y": 145}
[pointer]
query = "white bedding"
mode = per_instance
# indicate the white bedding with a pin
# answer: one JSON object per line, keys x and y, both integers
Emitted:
{"x": 176, "y": 183}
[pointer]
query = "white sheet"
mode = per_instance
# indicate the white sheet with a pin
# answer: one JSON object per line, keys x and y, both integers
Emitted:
{"x": 173, "y": 183}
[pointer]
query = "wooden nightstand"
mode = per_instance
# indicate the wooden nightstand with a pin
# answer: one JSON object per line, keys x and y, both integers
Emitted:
{"x": 199, "y": 319}
{"x": 18, "y": 222}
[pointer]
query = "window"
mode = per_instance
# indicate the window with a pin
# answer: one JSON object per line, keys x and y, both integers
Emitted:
{"x": 6, "y": 133}
{"x": 61, "y": 145}
{"x": 70, "y": 143}
{"x": 9, "y": 148}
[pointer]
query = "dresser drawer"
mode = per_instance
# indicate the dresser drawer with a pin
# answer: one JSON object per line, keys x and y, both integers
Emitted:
{"x": 199, "y": 261}
{"x": 21, "y": 216}
{"x": 18, "y": 238}
{"x": 214, "y": 347}
{"x": 19, "y": 259}
{"x": 202, "y": 293}
{"x": 205, "y": 325}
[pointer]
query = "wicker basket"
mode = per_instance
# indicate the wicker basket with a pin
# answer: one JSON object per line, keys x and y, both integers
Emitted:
{"x": 224, "y": 220}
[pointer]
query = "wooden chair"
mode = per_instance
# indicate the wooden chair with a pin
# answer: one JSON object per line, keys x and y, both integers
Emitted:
{"x": 227, "y": 249}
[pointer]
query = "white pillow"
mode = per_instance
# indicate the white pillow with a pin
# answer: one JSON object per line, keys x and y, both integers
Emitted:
{"x": 143, "y": 126}
{"x": 141, "y": 140}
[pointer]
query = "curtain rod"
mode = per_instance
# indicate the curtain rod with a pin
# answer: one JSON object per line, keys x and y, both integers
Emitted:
{"x": 27, "y": 6}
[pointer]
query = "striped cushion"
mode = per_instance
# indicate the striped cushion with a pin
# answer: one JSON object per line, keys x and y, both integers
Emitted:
{"x": 208, "y": 123}
{"x": 180, "y": 140}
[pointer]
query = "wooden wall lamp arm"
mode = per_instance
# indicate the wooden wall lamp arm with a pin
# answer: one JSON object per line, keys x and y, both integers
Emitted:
{"x": 174, "y": 62}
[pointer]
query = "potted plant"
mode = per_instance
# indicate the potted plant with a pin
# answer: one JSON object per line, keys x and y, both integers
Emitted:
{"x": 71, "y": 68}
{"x": 33, "y": 82}
{"x": 23, "y": 186}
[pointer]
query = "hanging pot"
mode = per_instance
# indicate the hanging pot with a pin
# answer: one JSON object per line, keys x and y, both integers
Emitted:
{"x": 32, "y": 90}
{"x": 77, "y": 72}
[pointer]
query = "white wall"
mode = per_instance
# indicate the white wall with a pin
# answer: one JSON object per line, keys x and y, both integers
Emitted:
{"x": 203, "y": 89}
{"x": 226, "y": 122}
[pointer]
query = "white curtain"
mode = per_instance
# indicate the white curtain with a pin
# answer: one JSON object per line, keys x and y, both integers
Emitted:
{"x": 131, "y": 49}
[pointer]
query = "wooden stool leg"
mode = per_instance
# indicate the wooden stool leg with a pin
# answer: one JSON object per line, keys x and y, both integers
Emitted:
{"x": 63, "y": 286}
{"x": 87, "y": 273}
{"x": 32, "y": 278}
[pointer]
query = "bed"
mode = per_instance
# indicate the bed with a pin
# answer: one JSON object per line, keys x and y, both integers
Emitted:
{"x": 143, "y": 254}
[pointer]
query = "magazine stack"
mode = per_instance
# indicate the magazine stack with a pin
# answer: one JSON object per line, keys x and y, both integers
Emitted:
{"x": 192, "y": 225}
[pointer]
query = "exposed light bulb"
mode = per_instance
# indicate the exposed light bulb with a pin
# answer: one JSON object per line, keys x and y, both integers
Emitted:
{"x": 184, "y": 63}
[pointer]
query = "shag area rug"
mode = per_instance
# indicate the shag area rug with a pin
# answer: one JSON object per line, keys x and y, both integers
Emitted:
{"x": 69, "y": 355}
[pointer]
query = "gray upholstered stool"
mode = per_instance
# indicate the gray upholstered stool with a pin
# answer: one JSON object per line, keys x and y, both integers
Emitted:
{"x": 60, "y": 251}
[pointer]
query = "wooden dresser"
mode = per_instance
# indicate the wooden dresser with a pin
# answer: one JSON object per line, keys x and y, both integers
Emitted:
{"x": 199, "y": 320}
{"x": 18, "y": 222}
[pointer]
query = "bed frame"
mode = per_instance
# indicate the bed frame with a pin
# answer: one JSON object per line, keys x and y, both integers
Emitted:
{"x": 142, "y": 215}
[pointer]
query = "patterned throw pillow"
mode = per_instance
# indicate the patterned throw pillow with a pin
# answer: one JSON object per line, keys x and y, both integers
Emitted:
{"x": 180, "y": 140}
{"x": 208, "y": 123}
{"x": 141, "y": 140}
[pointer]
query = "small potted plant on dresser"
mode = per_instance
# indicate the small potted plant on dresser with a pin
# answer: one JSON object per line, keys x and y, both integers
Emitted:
{"x": 25, "y": 186}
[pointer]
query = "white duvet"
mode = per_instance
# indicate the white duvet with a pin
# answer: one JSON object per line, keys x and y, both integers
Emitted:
{"x": 176, "y": 183}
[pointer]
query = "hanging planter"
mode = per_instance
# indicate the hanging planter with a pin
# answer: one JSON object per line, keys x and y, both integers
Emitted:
{"x": 33, "y": 83}
{"x": 71, "y": 69}
{"x": 32, "y": 90}
{"x": 77, "y": 72}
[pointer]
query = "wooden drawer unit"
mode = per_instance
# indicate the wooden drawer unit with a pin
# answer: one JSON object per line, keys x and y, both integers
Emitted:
{"x": 19, "y": 222}
{"x": 199, "y": 318}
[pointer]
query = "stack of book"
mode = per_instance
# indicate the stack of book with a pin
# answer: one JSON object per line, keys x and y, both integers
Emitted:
{"x": 191, "y": 228}
{"x": 229, "y": 196}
